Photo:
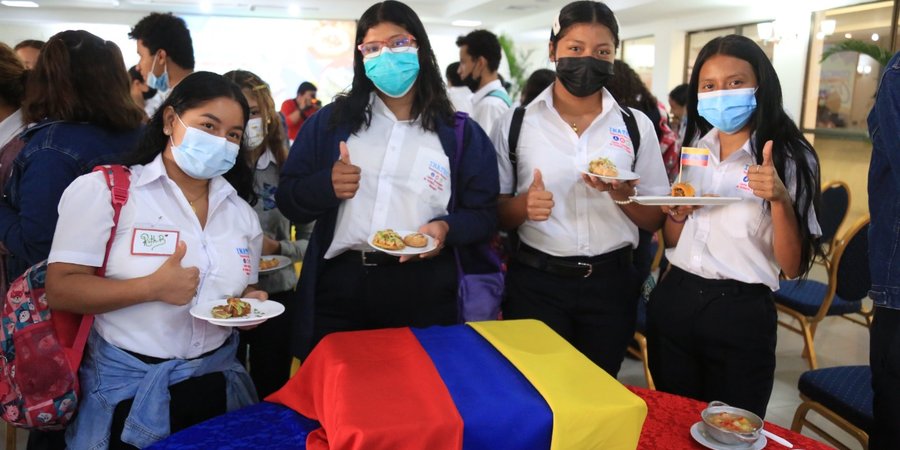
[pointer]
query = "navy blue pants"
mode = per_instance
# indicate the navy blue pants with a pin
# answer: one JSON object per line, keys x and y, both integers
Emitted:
{"x": 713, "y": 340}
{"x": 884, "y": 358}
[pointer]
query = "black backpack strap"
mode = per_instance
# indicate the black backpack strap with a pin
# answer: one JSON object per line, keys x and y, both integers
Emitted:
{"x": 634, "y": 133}
{"x": 515, "y": 128}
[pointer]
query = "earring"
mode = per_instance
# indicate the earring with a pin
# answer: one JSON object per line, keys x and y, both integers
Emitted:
{"x": 167, "y": 132}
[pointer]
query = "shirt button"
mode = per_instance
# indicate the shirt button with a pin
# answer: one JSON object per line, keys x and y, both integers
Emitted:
{"x": 196, "y": 344}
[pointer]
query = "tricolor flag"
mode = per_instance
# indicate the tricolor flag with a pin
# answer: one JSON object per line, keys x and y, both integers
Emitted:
{"x": 499, "y": 385}
{"x": 691, "y": 156}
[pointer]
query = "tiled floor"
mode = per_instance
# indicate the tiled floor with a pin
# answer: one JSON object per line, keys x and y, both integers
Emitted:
{"x": 838, "y": 341}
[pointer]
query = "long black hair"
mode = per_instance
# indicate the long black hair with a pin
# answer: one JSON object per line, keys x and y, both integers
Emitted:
{"x": 629, "y": 90}
{"x": 430, "y": 102}
{"x": 769, "y": 123}
{"x": 193, "y": 91}
{"x": 584, "y": 11}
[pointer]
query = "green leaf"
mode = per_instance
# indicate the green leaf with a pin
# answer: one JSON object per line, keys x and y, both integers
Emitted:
{"x": 877, "y": 53}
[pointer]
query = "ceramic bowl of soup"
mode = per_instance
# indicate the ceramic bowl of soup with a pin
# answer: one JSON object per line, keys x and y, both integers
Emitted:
{"x": 730, "y": 425}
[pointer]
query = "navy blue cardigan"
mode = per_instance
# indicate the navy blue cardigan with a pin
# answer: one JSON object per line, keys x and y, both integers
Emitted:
{"x": 305, "y": 193}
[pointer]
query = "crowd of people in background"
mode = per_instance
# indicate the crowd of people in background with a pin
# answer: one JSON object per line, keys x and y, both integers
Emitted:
{"x": 212, "y": 158}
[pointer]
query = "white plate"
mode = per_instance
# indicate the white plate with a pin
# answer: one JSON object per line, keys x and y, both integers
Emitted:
{"x": 668, "y": 200}
{"x": 260, "y": 312}
{"x": 283, "y": 261}
{"x": 624, "y": 175}
{"x": 407, "y": 250}
{"x": 699, "y": 435}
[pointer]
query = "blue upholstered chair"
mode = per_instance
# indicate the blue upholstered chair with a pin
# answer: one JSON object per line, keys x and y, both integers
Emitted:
{"x": 835, "y": 204}
{"x": 810, "y": 301}
{"x": 843, "y": 396}
{"x": 638, "y": 347}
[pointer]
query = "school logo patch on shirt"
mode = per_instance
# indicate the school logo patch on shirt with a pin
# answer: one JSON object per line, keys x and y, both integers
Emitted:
{"x": 268, "y": 196}
{"x": 244, "y": 254}
{"x": 744, "y": 184}
{"x": 619, "y": 138}
{"x": 437, "y": 177}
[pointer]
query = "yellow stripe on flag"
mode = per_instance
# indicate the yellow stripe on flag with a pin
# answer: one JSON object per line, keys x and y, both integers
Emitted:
{"x": 591, "y": 410}
{"x": 694, "y": 151}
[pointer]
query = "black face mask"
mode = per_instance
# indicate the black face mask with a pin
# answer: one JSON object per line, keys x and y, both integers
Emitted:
{"x": 583, "y": 76}
{"x": 472, "y": 83}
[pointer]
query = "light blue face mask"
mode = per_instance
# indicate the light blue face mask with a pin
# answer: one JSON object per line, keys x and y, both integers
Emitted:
{"x": 393, "y": 72}
{"x": 203, "y": 156}
{"x": 160, "y": 83}
{"x": 727, "y": 109}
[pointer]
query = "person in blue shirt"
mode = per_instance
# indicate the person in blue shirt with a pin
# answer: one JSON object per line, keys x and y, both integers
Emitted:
{"x": 379, "y": 158}
{"x": 884, "y": 259}
{"x": 78, "y": 95}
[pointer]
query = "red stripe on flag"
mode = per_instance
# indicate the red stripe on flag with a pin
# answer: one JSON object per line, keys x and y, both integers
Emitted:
{"x": 360, "y": 408}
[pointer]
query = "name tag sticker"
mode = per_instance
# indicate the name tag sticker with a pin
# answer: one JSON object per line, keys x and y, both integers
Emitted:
{"x": 149, "y": 241}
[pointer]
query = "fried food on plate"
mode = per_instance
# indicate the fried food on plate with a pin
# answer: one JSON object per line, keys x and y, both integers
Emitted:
{"x": 388, "y": 240}
{"x": 234, "y": 307}
{"x": 603, "y": 167}
{"x": 683, "y": 190}
{"x": 417, "y": 240}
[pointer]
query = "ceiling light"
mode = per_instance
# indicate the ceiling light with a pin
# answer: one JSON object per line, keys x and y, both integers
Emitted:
{"x": 765, "y": 30}
{"x": 874, "y": 36}
{"x": 848, "y": 35}
{"x": 828, "y": 26}
{"x": 466, "y": 23}
{"x": 294, "y": 10}
{"x": 19, "y": 4}
{"x": 206, "y": 6}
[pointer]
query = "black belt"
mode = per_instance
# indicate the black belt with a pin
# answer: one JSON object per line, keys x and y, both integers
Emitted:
{"x": 371, "y": 258}
{"x": 575, "y": 266}
{"x": 688, "y": 279}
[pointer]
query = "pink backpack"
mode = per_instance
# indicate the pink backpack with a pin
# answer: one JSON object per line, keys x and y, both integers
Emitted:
{"x": 40, "y": 349}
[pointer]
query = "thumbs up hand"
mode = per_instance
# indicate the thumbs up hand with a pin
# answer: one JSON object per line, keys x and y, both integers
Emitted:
{"x": 344, "y": 175}
{"x": 539, "y": 202}
{"x": 175, "y": 284}
{"x": 764, "y": 181}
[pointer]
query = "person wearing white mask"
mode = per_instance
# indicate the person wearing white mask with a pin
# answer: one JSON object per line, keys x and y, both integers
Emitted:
{"x": 166, "y": 54}
{"x": 186, "y": 236}
{"x": 266, "y": 150}
{"x": 711, "y": 321}
{"x": 379, "y": 157}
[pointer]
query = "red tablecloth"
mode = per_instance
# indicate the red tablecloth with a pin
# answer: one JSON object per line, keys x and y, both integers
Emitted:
{"x": 669, "y": 420}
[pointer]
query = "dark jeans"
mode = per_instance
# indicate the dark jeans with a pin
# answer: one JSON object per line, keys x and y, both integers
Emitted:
{"x": 351, "y": 296}
{"x": 713, "y": 340}
{"x": 269, "y": 348}
{"x": 884, "y": 358}
{"x": 192, "y": 401}
{"x": 596, "y": 314}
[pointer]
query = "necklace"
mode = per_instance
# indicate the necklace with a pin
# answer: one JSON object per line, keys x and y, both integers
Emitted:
{"x": 574, "y": 127}
{"x": 202, "y": 195}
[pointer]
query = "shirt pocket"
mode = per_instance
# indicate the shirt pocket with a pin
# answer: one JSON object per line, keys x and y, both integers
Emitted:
{"x": 430, "y": 178}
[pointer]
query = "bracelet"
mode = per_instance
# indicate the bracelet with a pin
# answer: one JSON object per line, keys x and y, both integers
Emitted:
{"x": 673, "y": 219}
{"x": 626, "y": 202}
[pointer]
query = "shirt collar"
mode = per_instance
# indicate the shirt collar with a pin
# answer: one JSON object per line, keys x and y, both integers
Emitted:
{"x": 485, "y": 90}
{"x": 265, "y": 159}
{"x": 156, "y": 170}
{"x": 711, "y": 141}
{"x": 546, "y": 97}
{"x": 379, "y": 108}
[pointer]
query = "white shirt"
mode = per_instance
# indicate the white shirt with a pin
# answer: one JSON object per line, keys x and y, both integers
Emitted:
{"x": 460, "y": 97}
{"x": 405, "y": 180}
{"x": 265, "y": 159}
{"x": 487, "y": 109}
{"x": 11, "y": 126}
{"x": 733, "y": 241}
{"x": 584, "y": 221}
{"x": 153, "y": 103}
{"x": 227, "y": 253}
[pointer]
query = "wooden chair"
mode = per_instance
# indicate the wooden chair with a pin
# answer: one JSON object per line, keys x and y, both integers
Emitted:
{"x": 841, "y": 395}
{"x": 809, "y": 302}
{"x": 638, "y": 347}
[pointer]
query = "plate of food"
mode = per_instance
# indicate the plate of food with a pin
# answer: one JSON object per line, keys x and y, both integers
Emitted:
{"x": 683, "y": 194}
{"x": 606, "y": 170}
{"x": 401, "y": 242}
{"x": 698, "y": 432}
{"x": 271, "y": 263}
{"x": 237, "y": 312}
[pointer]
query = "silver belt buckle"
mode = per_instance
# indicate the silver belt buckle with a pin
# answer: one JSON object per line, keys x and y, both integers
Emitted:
{"x": 589, "y": 266}
{"x": 365, "y": 263}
